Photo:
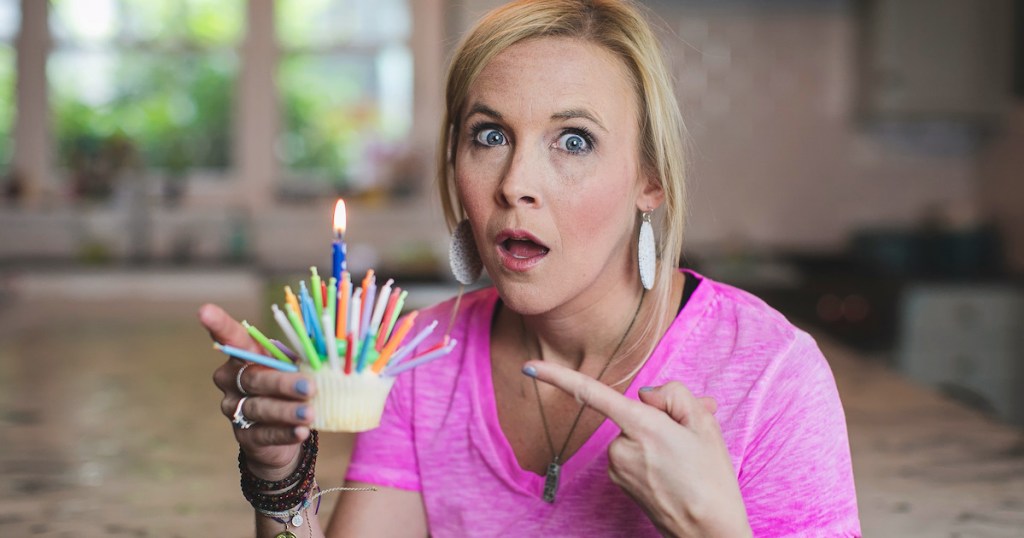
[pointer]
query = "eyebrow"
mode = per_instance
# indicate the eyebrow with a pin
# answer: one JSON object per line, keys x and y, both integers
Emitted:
{"x": 578, "y": 113}
{"x": 570, "y": 114}
{"x": 485, "y": 110}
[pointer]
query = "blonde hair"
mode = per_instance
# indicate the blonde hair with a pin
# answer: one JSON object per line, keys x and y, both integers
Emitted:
{"x": 619, "y": 27}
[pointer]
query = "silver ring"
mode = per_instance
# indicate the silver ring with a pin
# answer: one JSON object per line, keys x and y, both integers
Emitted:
{"x": 238, "y": 379}
{"x": 238, "y": 419}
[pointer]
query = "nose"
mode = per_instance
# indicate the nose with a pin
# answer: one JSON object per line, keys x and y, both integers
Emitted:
{"x": 519, "y": 185}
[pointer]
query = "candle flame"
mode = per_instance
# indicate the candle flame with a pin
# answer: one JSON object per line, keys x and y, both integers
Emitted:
{"x": 340, "y": 218}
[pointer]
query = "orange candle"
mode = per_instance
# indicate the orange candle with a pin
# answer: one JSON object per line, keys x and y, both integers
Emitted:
{"x": 343, "y": 298}
{"x": 396, "y": 339}
{"x": 290, "y": 297}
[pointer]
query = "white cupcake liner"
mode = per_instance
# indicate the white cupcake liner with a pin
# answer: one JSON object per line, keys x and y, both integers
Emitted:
{"x": 348, "y": 403}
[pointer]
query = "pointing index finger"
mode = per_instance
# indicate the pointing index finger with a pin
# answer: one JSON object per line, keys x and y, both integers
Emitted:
{"x": 621, "y": 410}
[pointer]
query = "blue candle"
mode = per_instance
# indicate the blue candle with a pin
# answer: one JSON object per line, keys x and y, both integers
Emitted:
{"x": 338, "y": 249}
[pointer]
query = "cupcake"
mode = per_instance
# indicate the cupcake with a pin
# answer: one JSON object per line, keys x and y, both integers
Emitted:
{"x": 352, "y": 342}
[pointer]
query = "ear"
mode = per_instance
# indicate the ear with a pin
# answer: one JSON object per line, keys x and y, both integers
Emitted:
{"x": 651, "y": 194}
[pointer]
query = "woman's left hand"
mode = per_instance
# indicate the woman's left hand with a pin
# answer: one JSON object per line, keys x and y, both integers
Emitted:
{"x": 670, "y": 457}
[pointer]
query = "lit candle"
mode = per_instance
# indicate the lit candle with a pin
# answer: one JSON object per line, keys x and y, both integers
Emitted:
{"x": 338, "y": 249}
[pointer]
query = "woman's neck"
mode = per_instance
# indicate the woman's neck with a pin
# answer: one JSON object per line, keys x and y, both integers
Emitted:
{"x": 586, "y": 338}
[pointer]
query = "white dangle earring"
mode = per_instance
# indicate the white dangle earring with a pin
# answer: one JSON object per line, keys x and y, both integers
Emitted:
{"x": 463, "y": 255}
{"x": 646, "y": 253}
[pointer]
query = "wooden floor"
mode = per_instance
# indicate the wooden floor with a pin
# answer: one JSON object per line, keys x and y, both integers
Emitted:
{"x": 109, "y": 427}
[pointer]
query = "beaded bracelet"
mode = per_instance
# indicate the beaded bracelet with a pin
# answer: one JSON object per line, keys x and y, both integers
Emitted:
{"x": 281, "y": 494}
{"x": 310, "y": 447}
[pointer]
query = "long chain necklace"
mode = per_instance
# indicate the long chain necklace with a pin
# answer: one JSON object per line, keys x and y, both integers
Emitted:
{"x": 553, "y": 475}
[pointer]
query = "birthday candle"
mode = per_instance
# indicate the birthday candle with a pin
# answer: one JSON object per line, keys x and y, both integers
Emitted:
{"x": 318, "y": 303}
{"x": 349, "y": 344}
{"x": 421, "y": 360}
{"x": 378, "y": 311}
{"x": 369, "y": 294}
{"x": 289, "y": 297}
{"x": 332, "y": 303}
{"x": 255, "y": 357}
{"x": 312, "y": 321}
{"x": 338, "y": 249}
{"x": 307, "y": 344}
{"x": 407, "y": 349}
{"x": 394, "y": 341}
{"x": 332, "y": 344}
{"x": 288, "y": 330}
{"x": 397, "y": 312}
{"x": 354, "y": 311}
{"x": 265, "y": 342}
{"x": 386, "y": 320}
{"x": 344, "y": 296}
{"x": 293, "y": 356}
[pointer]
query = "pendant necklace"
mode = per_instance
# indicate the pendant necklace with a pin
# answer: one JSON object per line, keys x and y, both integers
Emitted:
{"x": 553, "y": 475}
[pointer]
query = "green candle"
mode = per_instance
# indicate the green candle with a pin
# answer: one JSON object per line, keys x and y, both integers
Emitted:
{"x": 332, "y": 303}
{"x": 265, "y": 342}
{"x": 307, "y": 344}
{"x": 395, "y": 314}
{"x": 318, "y": 294}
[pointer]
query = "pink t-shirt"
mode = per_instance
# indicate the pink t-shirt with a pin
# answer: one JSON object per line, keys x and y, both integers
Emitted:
{"x": 778, "y": 408}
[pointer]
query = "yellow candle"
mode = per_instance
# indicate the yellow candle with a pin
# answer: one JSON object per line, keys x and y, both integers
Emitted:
{"x": 291, "y": 299}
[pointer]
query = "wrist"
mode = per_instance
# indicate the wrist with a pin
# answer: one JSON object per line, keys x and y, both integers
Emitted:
{"x": 272, "y": 473}
{"x": 280, "y": 494}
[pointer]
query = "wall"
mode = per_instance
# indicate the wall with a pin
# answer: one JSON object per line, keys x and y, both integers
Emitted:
{"x": 778, "y": 159}
{"x": 1001, "y": 184}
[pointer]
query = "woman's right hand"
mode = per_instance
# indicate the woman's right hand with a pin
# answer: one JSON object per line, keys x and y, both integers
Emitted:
{"x": 276, "y": 401}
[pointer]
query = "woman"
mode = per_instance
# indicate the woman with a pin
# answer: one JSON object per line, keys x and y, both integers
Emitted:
{"x": 689, "y": 409}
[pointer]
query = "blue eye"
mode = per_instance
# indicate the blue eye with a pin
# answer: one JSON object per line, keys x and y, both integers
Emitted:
{"x": 574, "y": 143}
{"x": 490, "y": 137}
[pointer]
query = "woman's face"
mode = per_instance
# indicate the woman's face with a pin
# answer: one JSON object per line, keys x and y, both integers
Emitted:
{"x": 548, "y": 170}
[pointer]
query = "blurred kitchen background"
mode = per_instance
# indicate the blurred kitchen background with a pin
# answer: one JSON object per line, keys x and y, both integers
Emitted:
{"x": 859, "y": 164}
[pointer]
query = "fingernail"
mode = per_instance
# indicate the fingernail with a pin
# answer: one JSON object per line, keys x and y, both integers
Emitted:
{"x": 302, "y": 387}
{"x": 646, "y": 389}
{"x": 530, "y": 371}
{"x": 301, "y": 412}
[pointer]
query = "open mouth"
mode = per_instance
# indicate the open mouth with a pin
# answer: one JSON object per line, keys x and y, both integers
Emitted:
{"x": 520, "y": 245}
{"x": 522, "y": 249}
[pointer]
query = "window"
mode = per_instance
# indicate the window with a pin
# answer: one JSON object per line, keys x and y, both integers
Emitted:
{"x": 10, "y": 18}
{"x": 142, "y": 83}
{"x": 345, "y": 79}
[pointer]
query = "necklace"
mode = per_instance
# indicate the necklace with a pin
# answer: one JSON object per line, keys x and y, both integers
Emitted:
{"x": 553, "y": 475}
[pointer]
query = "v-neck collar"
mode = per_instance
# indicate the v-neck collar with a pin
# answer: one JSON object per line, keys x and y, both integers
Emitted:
{"x": 490, "y": 440}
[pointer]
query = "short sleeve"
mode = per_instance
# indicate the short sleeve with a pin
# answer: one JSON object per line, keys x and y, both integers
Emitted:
{"x": 796, "y": 475}
{"x": 386, "y": 456}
